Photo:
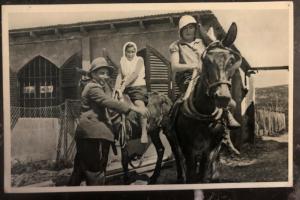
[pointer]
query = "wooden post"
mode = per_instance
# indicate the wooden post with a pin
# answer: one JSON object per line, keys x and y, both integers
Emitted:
{"x": 86, "y": 53}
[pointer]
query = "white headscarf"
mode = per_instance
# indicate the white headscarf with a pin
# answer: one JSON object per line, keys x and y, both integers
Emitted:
{"x": 128, "y": 66}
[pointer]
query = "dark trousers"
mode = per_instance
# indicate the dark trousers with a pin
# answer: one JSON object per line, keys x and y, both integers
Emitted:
{"x": 90, "y": 162}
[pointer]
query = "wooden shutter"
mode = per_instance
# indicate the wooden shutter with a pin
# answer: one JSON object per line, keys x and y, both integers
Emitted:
{"x": 158, "y": 75}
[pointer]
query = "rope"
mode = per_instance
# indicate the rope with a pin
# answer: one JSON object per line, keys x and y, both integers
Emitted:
{"x": 122, "y": 132}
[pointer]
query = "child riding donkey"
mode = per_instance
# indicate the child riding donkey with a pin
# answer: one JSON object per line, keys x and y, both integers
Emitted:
{"x": 186, "y": 61}
{"x": 131, "y": 81}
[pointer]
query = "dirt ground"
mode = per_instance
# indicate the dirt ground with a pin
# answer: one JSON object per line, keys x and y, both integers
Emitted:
{"x": 266, "y": 160}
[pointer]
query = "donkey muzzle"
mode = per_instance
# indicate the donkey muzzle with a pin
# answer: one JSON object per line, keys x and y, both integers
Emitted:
{"x": 222, "y": 96}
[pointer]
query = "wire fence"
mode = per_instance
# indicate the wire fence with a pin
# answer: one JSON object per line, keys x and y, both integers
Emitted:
{"x": 67, "y": 114}
{"x": 69, "y": 121}
{"x": 35, "y": 112}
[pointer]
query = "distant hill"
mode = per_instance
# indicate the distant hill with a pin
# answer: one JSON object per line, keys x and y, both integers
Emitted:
{"x": 272, "y": 97}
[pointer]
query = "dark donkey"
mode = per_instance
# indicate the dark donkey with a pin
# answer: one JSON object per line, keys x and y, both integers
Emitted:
{"x": 201, "y": 125}
{"x": 159, "y": 106}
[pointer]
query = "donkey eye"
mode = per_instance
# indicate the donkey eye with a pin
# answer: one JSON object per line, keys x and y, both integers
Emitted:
{"x": 230, "y": 62}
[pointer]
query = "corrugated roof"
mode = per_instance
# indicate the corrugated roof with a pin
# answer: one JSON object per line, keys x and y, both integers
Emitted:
{"x": 113, "y": 21}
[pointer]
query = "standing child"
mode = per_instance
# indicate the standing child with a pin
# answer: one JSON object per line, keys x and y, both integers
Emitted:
{"x": 131, "y": 81}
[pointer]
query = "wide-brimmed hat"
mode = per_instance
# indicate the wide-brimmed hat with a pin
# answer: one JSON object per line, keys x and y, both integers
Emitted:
{"x": 101, "y": 62}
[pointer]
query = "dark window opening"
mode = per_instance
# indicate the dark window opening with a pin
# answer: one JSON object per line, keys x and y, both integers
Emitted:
{"x": 39, "y": 84}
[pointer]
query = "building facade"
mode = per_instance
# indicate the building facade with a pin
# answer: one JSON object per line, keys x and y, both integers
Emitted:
{"x": 44, "y": 61}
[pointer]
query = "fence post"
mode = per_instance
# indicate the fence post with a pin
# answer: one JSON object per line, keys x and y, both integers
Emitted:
{"x": 61, "y": 133}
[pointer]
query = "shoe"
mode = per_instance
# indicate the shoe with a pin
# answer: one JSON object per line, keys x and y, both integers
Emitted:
{"x": 232, "y": 123}
{"x": 95, "y": 178}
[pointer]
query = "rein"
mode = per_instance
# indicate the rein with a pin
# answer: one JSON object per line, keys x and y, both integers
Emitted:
{"x": 123, "y": 130}
{"x": 190, "y": 110}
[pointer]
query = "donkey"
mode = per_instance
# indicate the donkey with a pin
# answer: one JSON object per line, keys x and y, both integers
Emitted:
{"x": 200, "y": 124}
{"x": 159, "y": 106}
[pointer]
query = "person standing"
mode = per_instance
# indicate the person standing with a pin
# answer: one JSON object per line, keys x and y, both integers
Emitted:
{"x": 94, "y": 134}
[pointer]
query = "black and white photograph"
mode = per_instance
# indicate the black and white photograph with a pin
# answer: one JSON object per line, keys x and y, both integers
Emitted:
{"x": 135, "y": 97}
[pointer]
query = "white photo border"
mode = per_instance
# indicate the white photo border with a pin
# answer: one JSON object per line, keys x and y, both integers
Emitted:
{"x": 7, "y": 9}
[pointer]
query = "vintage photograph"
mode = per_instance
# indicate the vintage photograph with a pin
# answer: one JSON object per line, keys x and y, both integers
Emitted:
{"x": 125, "y": 97}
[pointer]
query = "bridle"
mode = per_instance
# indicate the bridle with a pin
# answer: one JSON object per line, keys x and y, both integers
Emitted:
{"x": 218, "y": 82}
{"x": 188, "y": 106}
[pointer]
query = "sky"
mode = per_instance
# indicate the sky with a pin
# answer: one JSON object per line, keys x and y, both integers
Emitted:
{"x": 262, "y": 38}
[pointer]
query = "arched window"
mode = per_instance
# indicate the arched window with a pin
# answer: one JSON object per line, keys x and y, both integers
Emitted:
{"x": 39, "y": 83}
{"x": 70, "y": 77}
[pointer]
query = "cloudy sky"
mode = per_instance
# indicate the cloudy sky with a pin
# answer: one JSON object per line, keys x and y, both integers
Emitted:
{"x": 263, "y": 30}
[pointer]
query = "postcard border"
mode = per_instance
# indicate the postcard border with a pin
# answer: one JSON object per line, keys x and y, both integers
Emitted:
{"x": 6, "y": 107}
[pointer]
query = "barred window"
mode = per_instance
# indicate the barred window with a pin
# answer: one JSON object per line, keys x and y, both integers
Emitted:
{"x": 39, "y": 83}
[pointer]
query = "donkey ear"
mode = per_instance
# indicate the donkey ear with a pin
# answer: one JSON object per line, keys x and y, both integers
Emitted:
{"x": 203, "y": 35}
{"x": 230, "y": 36}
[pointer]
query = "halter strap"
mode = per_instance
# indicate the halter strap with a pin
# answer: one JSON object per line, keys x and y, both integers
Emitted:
{"x": 210, "y": 46}
{"x": 216, "y": 84}
{"x": 213, "y": 44}
{"x": 190, "y": 110}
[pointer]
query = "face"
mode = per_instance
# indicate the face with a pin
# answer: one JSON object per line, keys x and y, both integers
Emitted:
{"x": 130, "y": 53}
{"x": 101, "y": 74}
{"x": 188, "y": 32}
{"x": 219, "y": 69}
{"x": 221, "y": 65}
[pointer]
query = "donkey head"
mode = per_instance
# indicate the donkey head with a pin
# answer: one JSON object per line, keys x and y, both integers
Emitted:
{"x": 219, "y": 64}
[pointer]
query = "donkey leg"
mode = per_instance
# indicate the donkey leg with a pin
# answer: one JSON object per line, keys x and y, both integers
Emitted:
{"x": 125, "y": 161}
{"x": 160, "y": 153}
{"x": 190, "y": 169}
{"x": 211, "y": 167}
{"x": 179, "y": 158}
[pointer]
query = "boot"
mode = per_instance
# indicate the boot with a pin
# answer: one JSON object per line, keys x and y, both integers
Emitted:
{"x": 232, "y": 123}
{"x": 144, "y": 137}
{"x": 95, "y": 178}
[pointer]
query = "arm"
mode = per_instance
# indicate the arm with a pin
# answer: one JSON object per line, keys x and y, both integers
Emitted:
{"x": 97, "y": 94}
{"x": 118, "y": 80}
{"x": 135, "y": 74}
{"x": 177, "y": 67}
